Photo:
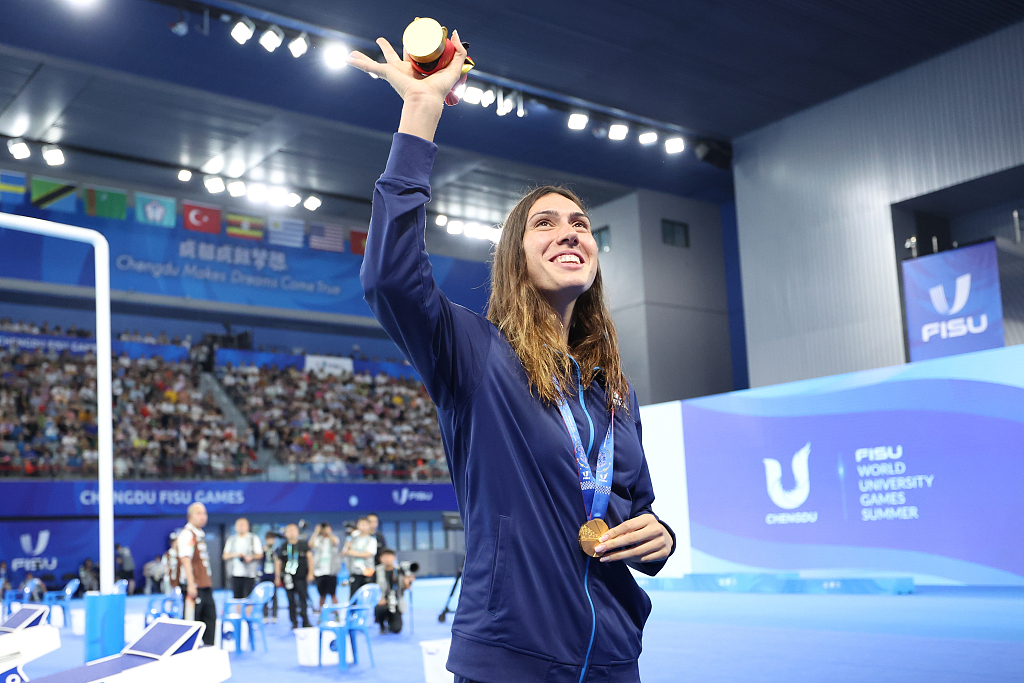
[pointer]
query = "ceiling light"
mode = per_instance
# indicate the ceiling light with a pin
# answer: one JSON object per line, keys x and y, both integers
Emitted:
{"x": 578, "y": 121}
{"x": 82, "y": 4}
{"x": 494, "y": 234}
{"x": 214, "y": 184}
{"x": 335, "y": 55}
{"x": 618, "y": 131}
{"x": 312, "y": 203}
{"x": 18, "y": 149}
{"x": 520, "y": 107}
{"x": 272, "y": 38}
{"x": 487, "y": 98}
{"x": 277, "y": 196}
{"x": 214, "y": 165}
{"x": 473, "y": 95}
{"x": 243, "y": 30}
{"x": 441, "y": 220}
{"x": 52, "y": 155}
{"x": 236, "y": 188}
{"x": 454, "y": 227}
{"x": 299, "y": 46}
{"x": 293, "y": 200}
{"x": 471, "y": 229}
{"x": 257, "y": 193}
{"x": 184, "y": 175}
{"x": 648, "y": 138}
{"x": 675, "y": 145}
{"x": 179, "y": 28}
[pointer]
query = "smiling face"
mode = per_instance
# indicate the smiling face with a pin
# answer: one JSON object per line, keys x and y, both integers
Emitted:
{"x": 561, "y": 254}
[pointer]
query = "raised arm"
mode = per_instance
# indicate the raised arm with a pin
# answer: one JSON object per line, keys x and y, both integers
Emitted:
{"x": 446, "y": 344}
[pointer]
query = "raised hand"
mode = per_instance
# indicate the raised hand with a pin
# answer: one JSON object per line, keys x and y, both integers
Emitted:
{"x": 408, "y": 83}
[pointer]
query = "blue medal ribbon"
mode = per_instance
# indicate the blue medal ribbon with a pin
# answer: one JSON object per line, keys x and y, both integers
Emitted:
{"x": 597, "y": 489}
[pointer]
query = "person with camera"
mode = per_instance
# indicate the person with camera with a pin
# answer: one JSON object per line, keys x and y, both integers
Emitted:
{"x": 270, "y": 609}
{"x": 243, "y": 552}
{"x": 360, "y": 551}
{"x": 393, "y": 581}
{"x": 326, "y": 562}
{"x": 293, "y": 569}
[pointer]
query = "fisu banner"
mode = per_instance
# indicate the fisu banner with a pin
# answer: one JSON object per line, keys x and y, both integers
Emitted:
{"x": 142, "y": 498}
{"x": 953, "y": 302}
{"x": 915, "y": 469}
{"x": 215, "y": 266}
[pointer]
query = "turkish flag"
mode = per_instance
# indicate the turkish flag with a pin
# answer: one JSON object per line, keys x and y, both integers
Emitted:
{"x": 357, "y": 241}
{"x": 200, "y": 217}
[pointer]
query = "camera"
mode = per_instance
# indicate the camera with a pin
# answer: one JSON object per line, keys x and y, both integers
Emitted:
{"x": 407, "y": 567}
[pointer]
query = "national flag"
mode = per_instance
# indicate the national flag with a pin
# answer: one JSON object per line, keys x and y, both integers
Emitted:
{"x": 12, "y": 187}
{"x": 326, "y": 237}
{"x": 53, "y": 194}
{"x": 245, "y": 227}
{"x": 106, "y": 203}
{"x": 357, "y": 242}
{"x": 153, "y": 209}
{"x": 200, "y": 217}
{"x": 286, "y": 232}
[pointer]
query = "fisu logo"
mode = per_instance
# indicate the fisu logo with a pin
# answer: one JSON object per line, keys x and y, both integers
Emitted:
{"x": 40, "y": 546}
{"x": 404, "y": 495}
{"x": 400, "y": 496}
{"x": 957, "y": 327}
{"x": 797, "y": 496}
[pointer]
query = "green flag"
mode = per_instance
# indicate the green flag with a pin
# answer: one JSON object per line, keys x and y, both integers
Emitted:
{"x": 106, "y": 203}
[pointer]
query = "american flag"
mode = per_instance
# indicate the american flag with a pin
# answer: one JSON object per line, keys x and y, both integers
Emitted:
{"x": 326, "y": 237}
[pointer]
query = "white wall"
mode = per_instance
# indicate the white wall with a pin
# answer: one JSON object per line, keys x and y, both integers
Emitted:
{"x": 666, "y": 459}
{"x": 813, "y": 193}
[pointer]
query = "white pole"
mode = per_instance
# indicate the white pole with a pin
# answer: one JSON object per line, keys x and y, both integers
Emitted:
{"x": 104, "y": 398}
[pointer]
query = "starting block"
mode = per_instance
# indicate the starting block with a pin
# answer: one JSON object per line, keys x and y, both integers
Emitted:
{"x": 25, "y": 636}
{"x": 168, "y": 651}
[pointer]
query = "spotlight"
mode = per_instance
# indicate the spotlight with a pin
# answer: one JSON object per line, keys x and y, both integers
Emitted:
{"x": 648, "y": 138}
{"x": 441, "y": 220}
{"x": 82, "y": 4}
{"x": 18, "y": 149}
{"x": 312, "y": 203}
{"x": 299, "y": 46}
{"x": 487, "y": 98}
{"x": 454, "y": 227}
{"x": 277, "y": 196}
{"x": 460, "y": 90}
{"x": 578, "y": 121}
{"x": 335, "y": 55}
{"x": 257, "y": 193}
{"x": 473, "y": 95}
{"x": 179, "y": 28}
{"x": 718, "y": 154}
{"x": 494, "y": 234}
{"x": 243, "y": 30}
{"x": 272, "y": 38}
{"x": 675, "y": 145}
{"x": 236, "y": 188}
{"x": 293, "y": 200}
{"x": 52, "y": 155}
{"x": 520, "y": 107}
{"x": 214, "y": 184}
{"x": 472, "y": 229}
{"x": 618, "y": 131}
{"x": 184, "y": 175}
{"x": 214, "y": 165}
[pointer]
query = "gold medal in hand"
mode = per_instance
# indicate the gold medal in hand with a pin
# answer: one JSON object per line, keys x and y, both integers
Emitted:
{"x": 590, "y": 535}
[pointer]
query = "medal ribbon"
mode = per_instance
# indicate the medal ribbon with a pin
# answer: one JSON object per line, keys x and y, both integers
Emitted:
{"x": 597, "y": 488}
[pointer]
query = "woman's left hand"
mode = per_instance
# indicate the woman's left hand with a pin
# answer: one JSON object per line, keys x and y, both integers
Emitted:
{"x": 645, "y": 537}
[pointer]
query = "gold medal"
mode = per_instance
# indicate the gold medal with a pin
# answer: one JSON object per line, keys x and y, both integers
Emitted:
{"x": 590, "y": 535}
{"x": 424, "y": 40}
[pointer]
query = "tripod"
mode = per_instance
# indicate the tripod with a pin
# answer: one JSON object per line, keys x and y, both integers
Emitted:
{"x": 447, "y": 605}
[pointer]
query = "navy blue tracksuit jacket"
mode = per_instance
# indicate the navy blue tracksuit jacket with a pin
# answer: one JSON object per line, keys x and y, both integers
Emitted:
{"x": 533, "y": 607}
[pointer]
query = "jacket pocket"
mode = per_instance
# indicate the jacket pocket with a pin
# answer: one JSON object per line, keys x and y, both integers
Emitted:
{"x": 499, "y": 564}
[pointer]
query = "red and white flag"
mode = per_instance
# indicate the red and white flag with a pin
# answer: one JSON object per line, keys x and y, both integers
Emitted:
{"x": 201, "y": 217}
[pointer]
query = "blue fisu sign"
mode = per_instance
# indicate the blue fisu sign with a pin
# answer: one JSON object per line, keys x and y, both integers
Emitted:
{"x": 953, "y": 302}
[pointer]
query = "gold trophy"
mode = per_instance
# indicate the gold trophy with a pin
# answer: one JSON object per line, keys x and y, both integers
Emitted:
{"x": 430, "y": 50}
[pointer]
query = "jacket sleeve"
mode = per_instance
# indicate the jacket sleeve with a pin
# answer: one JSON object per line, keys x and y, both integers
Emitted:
{"x": 643, "y": 496}
{"x": 446, "y": 343}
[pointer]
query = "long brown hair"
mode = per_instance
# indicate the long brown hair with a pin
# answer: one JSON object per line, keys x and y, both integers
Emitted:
{"x": 533, "y": 329}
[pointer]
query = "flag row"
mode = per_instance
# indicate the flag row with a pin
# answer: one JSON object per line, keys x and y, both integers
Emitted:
{"x": 150, "y": 209}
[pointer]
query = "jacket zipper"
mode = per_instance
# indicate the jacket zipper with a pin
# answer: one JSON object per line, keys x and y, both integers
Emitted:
{"x": 586, "y": 572}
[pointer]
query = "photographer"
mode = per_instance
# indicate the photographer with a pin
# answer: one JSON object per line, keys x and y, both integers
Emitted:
{"x": 393, "y": 582}
{"x": 326, "y": 562}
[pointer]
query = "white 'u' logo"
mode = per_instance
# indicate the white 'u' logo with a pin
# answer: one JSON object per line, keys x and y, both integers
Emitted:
{"x": 963, "y": 290}
{"x": 788, "y": 500}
